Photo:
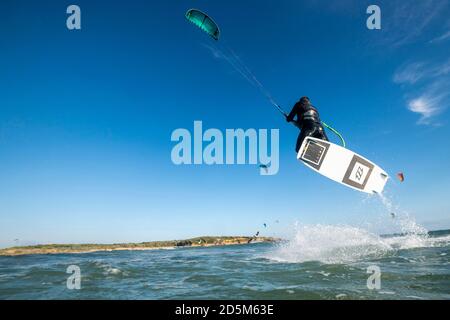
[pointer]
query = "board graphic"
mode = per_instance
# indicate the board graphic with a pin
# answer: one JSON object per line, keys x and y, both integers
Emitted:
{"x": 342, "y": 165}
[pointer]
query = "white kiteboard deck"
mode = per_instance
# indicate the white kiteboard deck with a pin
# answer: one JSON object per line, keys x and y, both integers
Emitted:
{"x": 342, "y": 165}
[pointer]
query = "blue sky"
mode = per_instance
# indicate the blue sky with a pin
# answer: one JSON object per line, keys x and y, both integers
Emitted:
{"x": 86, "y": 116}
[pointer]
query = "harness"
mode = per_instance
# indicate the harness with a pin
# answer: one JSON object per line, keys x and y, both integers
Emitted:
{"x": 311, "y": 114}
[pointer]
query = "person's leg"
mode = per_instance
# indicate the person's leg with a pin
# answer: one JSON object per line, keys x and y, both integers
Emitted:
{"x": 323, "y": 134}
{"x": 306, "y": 132}
{"x": 299, "y": 141}
{"x": 319, "y": 133}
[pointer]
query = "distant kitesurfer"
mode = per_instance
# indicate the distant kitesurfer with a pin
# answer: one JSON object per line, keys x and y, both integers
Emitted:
{"x": 308, "y": 120}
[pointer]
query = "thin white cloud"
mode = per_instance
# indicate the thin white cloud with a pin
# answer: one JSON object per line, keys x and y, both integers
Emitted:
{"x": 435, "y": 88}
{"x": 410, "y": 73}
{"x": 405, "y": 21}
{"x": 426, "y": 107}
{"x": 443, "y": 69}
{"x": 441, "y": 38}
{"x": 416, "y": 71}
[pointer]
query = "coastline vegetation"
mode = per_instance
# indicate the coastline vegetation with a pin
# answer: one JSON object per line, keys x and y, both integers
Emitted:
{"x": 86, "y": 248}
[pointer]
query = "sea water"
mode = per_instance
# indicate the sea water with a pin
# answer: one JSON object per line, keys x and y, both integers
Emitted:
{"x": 312, "y": 262}
{"x": 319, "y": 262}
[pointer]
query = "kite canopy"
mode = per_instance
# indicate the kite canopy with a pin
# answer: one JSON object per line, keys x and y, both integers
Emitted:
{"x": 204, "y": 22}
{"x": 401, "y": 176}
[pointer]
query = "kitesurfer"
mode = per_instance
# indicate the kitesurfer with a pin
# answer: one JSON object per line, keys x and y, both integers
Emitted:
{"x": 308, "y": 121}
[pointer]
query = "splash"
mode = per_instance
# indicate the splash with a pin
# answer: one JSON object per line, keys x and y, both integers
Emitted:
{"x": 405, "y": 223}
{"x": 338, "y": 244}
{"x": 329, "y": 244}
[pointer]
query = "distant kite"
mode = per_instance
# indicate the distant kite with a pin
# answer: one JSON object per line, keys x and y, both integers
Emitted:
{"x": 401, "y": 176}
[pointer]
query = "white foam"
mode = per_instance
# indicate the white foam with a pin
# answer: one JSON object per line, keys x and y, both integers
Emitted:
{"x": 344, "y": 244}
{"x": 329, "y": 244}
{"x": 113, "y": 271}
{"x": 107, "y": 268}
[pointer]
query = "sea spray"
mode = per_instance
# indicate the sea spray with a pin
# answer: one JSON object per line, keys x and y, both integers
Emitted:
{"x": 410, "y": 233}
{"x": 330, "y": 244}
{"x": 337, "y": 244}
{"x": 403, "y": 220}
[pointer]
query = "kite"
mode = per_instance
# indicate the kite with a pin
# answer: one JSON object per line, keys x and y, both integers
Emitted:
{"x": 204, "y": 22}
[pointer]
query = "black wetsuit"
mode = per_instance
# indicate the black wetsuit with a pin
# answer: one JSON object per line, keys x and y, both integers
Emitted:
{"x": 308, "y": 120}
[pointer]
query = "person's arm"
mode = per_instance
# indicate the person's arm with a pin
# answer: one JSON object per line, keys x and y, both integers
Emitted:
{"x": 291, "y": 115}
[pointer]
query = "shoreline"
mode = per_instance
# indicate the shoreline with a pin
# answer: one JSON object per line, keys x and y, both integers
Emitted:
{"x": 199, "y": 242}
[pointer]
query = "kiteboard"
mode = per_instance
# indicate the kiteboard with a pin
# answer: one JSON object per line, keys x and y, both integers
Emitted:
{"x": 342, "y": 165}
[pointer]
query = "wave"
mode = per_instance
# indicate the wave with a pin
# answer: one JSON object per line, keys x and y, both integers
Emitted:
{"x": 108, "y": 269}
